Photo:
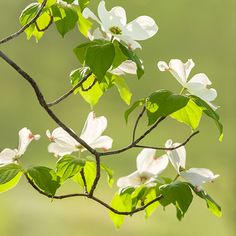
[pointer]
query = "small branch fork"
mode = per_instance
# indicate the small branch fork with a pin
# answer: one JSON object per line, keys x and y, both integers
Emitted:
{"x": 46, "y": 106}
{"x": 21, "y": 30}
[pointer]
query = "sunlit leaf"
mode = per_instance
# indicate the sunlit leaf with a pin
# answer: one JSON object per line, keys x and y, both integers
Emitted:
{"x": 163, "y": 103}
{"x": 209, "y": 112}
{"x": 109, "y": 173}
{"x": 190, "y": 114}
{"x": 45, "y": 179}
{"x": 133, "y": 107}
{"x": 179, "y": 194}
{"x": 9, "y": 176}
{"x": 68, "y": 166}
{"x": 123, "y": 88}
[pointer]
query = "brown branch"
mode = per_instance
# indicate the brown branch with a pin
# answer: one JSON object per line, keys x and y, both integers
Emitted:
{"x": 98, "y": 173}
{"x": 44, "y": 105}
{"x": 171, "y": 148}
{"x": 84, "y": 181}
{"x": 67, "y": 94}
{"x": 137, "y": 121}
{"x": 93, "y": 198}
{"x": 20, "y": 31}
{"x": 90, "y": 86}
{"x": 133, "y": 144}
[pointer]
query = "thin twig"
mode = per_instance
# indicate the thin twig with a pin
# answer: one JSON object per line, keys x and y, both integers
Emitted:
{"x": 137, "y": 121}
{"x": 43, "y": 103}
{"x": 93, "y": 198}
{"x": 90, "y": 86}
{"x": 46, "y": 27}
{"x": 16, "y": 34}
{"x": 133, "y": 144}
{"x": 170, "y": 148}
{"x": 84, "y": 181}
{"x": 64, "y": 96}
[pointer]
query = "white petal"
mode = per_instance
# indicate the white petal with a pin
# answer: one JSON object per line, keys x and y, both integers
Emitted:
{"x": 61, "y": 137}
{"x": 132, "y": 44}
{"x": 178, "y": 156}
{"x": 127, "y": 66}
{"x": 147, "y": 163}
{"x": 59, "y": 150}
{"x": 200, "y": 78}
{"x": 25, "y": 138}
{"x": 188, "y": 67}
{"x": 162, "y": 66}
{"x": 132, "y": 180}
{"x": 103, "y": 142}
{"x": 142, "y": 28}
{"x": 7, "y": 156}
{"x": 198, "y": 176}
{"x": 177, "y": 69}
{"x": 87, "y": 13}
{"x": 93, "y": 128}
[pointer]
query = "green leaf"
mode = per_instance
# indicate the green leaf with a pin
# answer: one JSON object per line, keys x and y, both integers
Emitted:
{"x": 119, "y": 55}
{"x": 209, "y": 112}
{"x": 123, "y": 89}
{"x": 92, "y": 95}
{"x": 117, "y": 204}
{"x": 65, "y": 18}
{"x": 179, "y": 194}
{"x": 190, "y": 114}
{"x": 77, "y": 75}
{"x": 151, "y": 195}
{"x": 99, "y": 58}
{"x": 68, "y": 1}
{"x": 133, "y": 57}
{"x": 9, "y": 176}
{"x": 84, "y": 24}
{"x": 45, "y": 179}
{"x": 213, "y": 207}
{"x": 133, "y": 107}
{"x": 83, "y": 3}
{"x": 68, "y": 166}
{"x": 89, "y": 174}
{"x": 163, "y": 103}
{"x": 109, "y": 173}
{"x": 49, "y": 2}
{"x": 81, "y": 50}
{"x": 26, "y": 16}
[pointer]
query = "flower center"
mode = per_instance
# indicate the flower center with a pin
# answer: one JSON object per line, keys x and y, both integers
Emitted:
{"x": 143, "y": 179}
{"x": 115, "y": 30}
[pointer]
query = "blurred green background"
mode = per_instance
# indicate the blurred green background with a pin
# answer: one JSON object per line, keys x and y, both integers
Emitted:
{"x": 203, "y": 30}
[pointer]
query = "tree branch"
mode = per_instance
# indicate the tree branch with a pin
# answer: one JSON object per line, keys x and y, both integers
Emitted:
{"x": 16, "y": 34}
{"x": 93, "y": 198}
{"x": 43, "y": 103}
{"x": 137, "y": 121}
{"x": 133, "y": 144}
{"x": 64, "y": 96}
{"x": 171, "y": 148}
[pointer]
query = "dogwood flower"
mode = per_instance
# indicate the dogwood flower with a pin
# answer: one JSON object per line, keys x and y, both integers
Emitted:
{"x": 148, "y": 168}
{"x": 113, "y": 24}
{"x": 195, "y": 176}
{"x": 8, "y": 156}
{"x": 197, "y": 85}
{"x": 63, "y": 143}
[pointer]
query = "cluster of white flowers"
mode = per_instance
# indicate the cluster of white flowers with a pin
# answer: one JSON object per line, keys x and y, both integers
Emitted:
{"x": 149, "y": 167}
{"x": 61, "y": 142}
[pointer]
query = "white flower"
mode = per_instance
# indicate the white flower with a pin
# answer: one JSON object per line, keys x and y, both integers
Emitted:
{"x": 113, "y": 23}
{"x": 195, "y": 176}
{"x": 63, "y": 143}
{"x": 148, "y": 168}
{"x": 197, "y": 85}
{"x": 8, "y": 156}
{"x": 126, "y": 67}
